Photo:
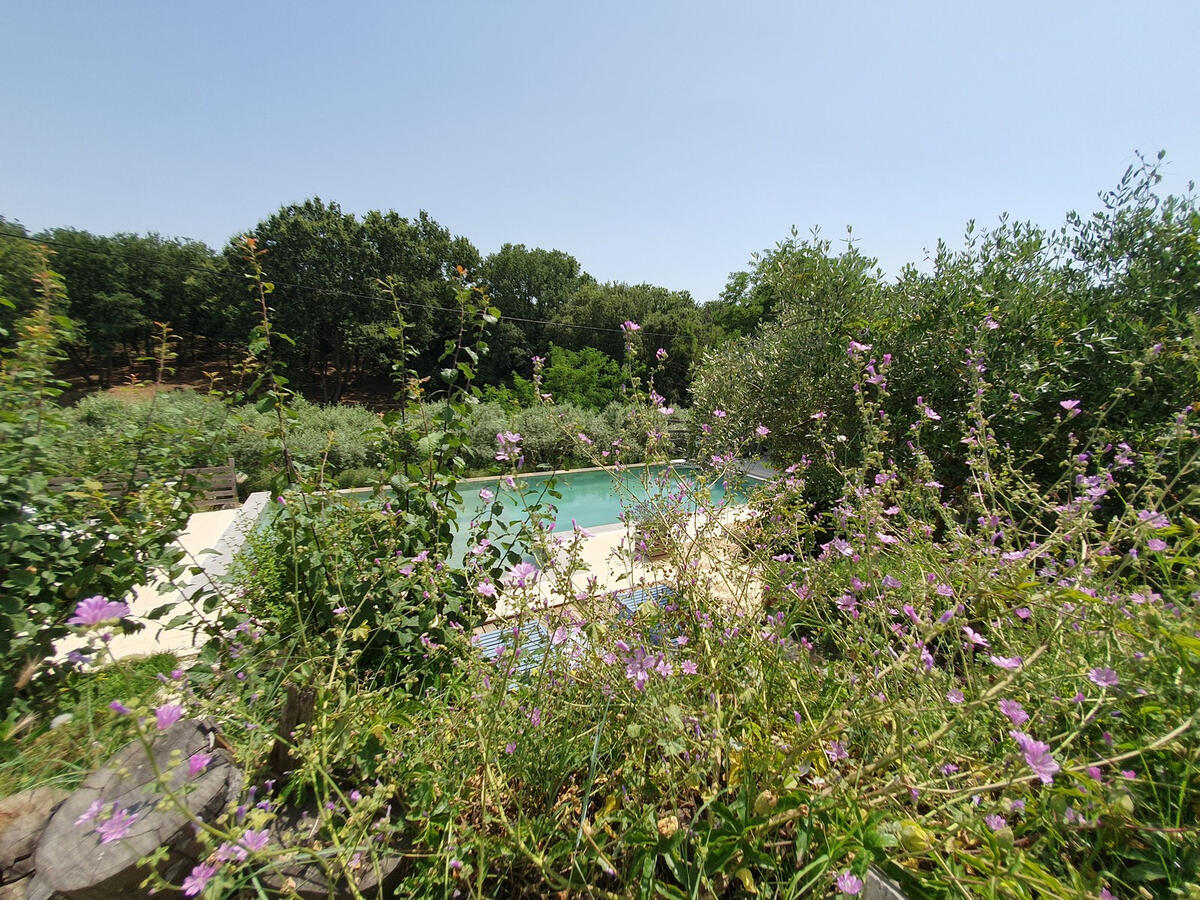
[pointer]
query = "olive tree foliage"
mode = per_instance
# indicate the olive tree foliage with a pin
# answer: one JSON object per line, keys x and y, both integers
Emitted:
{"x": 795, "y": 364}
{"x": 1051, "y": 316}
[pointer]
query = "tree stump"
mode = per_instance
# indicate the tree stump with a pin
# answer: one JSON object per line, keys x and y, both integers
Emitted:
{"x": 880, "y": 887}
{"x": 23, "y": 818}
{"x": 73, "y": 860}
{"x": 307, "y": 880}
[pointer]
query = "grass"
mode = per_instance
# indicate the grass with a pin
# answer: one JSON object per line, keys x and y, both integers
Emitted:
{"x": 34, "y": 754}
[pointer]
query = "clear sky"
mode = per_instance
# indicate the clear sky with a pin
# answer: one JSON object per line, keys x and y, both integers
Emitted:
{"x": 660, "y": 142}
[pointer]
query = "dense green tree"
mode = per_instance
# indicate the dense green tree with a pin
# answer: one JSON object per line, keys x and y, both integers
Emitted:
{"x": 327, "y": 266}
{"x": 587, "y": 378}
{"x": 528, "y": 287}
{"x": 20, "y": 261}
{"x": 120, "y": 285}
{"x": 592, "y": 317}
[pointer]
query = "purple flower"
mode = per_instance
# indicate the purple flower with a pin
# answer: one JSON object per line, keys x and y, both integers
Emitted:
{"x": 1006, "y": 662}
{"x": 1071, "y": 406}
{"x": 119, "y": 708}
{"x": 485, "y": 495}
{"x": 116, "y": 826}
{"x": 954, "y": 695}
{"x": 486, "y": 588}
{"x": 1153, "y": 519}
{"x": 1037, "y": 756}
{"x": 687, "y": 667}
{"x": 890, "y": 582}
{"x": 836, "y": 750}
{"x": 97, "y": 611}
{"x": 973, "y": 637}
{"x": 1014, "y": 711}
{"x": 255, "y": 840}
{"x": 849, "y": 884}
{"x": 509, "y": 445}
{"x": 90, "y": 813}
{"x": 718, "y": 413}
{"x": 638, "y": 667}
{"x": 629, "y": 326}
{"x": 167, "y": 715}
{"x": 762, "y": 430}
{"x": 1103, "y": 677}
{"x": 522, "y": 574}
{"x": 198, "y": 879}
{"x": 995, "y": 822}
{"x": 1156, "y": 544}
{"x": 197, "y": 763}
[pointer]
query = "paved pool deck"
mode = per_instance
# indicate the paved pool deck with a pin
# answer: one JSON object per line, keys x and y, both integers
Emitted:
{"x": 607, "y": 564}
{"x": 604, "y": 563}
{"x": 210, "y": 542}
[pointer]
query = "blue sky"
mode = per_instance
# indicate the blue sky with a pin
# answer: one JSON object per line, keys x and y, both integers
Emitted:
{"x": 659, "y": 142}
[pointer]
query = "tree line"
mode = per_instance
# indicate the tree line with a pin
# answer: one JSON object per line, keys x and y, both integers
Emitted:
{"x": 340, "y": 280}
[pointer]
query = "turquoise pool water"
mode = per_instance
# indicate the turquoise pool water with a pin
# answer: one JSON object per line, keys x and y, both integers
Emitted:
{"x": 590, "y": 498}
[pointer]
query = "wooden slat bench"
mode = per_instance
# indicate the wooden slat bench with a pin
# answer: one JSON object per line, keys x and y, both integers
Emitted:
{"x": 216, "y": 485}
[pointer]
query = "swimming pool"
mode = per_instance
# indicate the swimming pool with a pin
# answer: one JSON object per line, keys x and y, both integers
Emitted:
{"x": 591, "y": 498}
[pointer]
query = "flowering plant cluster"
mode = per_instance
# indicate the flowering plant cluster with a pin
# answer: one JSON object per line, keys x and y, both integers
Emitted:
{"x": 975, "y": 671}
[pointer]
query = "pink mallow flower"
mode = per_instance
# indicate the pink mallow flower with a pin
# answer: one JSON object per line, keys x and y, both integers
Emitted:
{"x": 1006, "y": 662}
{"x": 1103, "y": 677}
{"x": 167, "y": 715}
{"x": 1014, "y": 711}
{"x": 197, "y": 763}
{"x": 116, "y": 826}
{"x": 200, "y": 875}
{"x": 1037, "y": 756}
{"x": 98, "y": 610}
{"x": 849, "y": 884}
{"x": 255, "y": 840}
{"x": 522, "y": 574}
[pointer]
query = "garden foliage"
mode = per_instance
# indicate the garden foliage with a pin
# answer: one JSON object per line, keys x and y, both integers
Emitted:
{"x": 955, "y": 639}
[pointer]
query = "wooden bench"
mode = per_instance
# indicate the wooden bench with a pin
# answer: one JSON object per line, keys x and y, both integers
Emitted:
{"x": 216, "y": 485}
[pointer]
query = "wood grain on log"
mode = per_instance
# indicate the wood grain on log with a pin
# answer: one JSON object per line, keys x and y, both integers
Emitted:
{"x": 72, "y": 860}
{"x": 23, "y": 818}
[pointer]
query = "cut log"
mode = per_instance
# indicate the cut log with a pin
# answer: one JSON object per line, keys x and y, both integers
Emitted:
{"x": 23, "y": 818}
{"x": 880, "y": 887}
{"x": 305, "y": 879}
{"x": 74, "y": 861}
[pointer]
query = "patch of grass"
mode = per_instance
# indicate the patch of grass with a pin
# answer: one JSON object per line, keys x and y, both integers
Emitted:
{"x": 32, "y": 753}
